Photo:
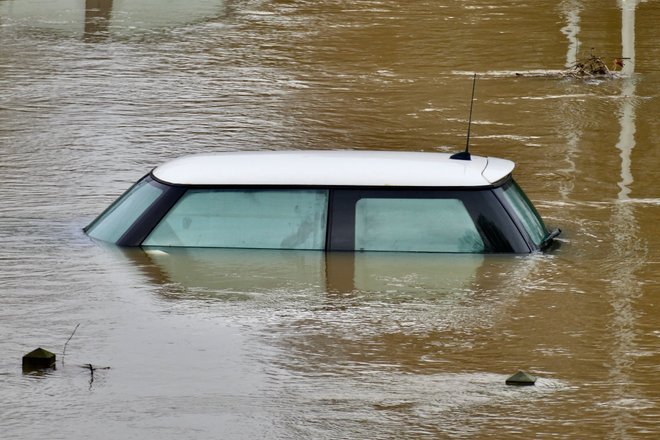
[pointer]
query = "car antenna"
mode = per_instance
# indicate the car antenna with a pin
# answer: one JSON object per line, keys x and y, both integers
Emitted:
{"x": 465, "y": 155}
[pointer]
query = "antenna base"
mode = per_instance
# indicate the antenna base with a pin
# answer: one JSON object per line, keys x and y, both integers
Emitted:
{"x": 463, "y": 155}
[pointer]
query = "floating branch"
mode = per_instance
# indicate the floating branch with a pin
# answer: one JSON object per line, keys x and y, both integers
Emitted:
{"x": 92, "y": 369}
{"x": 592, "y": 66}
{"x": 586, "y": 68}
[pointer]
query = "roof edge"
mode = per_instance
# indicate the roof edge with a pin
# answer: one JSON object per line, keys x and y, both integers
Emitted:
{"x": 333, "y": 168}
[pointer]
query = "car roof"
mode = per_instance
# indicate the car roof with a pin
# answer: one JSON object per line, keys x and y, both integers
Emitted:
{"x": 333, "y": 168}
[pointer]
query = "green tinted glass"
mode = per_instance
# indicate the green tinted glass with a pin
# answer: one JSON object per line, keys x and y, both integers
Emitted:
{"x": 415, "y": 225}
{"x": 526, "y": 212}
{"x": 115, "y": 221}
{"x": 277, "y": 219}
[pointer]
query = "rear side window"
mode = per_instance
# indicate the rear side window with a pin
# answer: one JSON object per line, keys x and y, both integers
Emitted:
{"x": 526, "y": 212}
{"x": 119, "y": 217}
{"x": 258, "y": 219}
{"x": 415, "y": 225}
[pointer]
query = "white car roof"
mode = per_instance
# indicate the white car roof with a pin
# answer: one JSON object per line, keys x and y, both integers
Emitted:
{"x": 333, "y": 168}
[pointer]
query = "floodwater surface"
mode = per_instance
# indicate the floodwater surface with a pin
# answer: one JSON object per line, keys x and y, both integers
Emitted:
{"x": 239, "y": 344}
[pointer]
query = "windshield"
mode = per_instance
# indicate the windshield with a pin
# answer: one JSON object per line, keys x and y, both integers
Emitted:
{"x": 115, "y": 221}
{"x": 526, "y": 212}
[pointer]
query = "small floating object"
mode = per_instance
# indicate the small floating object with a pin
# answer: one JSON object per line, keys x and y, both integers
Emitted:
{"x": 521, "y": 379}
{"x": 595, "y": 67}
{"x": 38, "y": 359}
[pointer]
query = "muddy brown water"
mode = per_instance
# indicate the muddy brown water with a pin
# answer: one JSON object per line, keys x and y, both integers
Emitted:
{"x": 272, "y": 344}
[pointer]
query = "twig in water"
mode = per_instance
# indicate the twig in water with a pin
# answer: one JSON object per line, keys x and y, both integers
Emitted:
{"x": 91, "y": 372}
{"x": 67, "y": 341}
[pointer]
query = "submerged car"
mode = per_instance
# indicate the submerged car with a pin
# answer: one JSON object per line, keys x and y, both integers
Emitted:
{"x": 330, "y": 201}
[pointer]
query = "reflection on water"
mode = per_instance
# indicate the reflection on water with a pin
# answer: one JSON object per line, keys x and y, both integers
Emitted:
{"x": 245, "y": 270}
{"x": 628, "y": 34}
{"x": 627, "y": 118}
{"x": 97, "y": 19}
{"x": 571, "y": 10}
{"x": 628, "y": 246}
{"x": 209, "y": 271}
{"x": 271, "y": 344}
{"x": 435, "y": 274}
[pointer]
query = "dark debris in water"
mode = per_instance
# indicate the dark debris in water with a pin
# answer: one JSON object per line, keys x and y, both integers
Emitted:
{"x": 592, "y": 67}
{"x": 521, "y": 378}
{"x": 38, "y": 359}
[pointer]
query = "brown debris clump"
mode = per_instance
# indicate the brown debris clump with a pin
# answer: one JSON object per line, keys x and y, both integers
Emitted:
{"x": 593, "y": 66}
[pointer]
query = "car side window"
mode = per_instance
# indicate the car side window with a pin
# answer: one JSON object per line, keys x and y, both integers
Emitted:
{"x": 415, "y": 225}
{"x": 245, "y": 218}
